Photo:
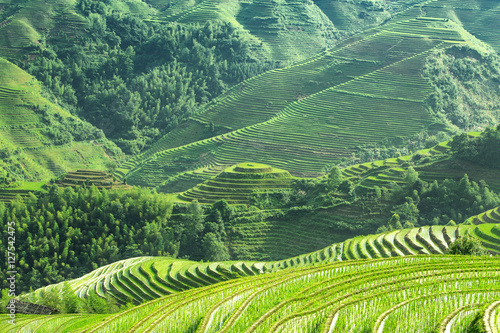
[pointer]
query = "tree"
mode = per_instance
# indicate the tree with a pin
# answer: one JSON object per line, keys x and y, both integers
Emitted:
{"x": 382, "y": 229}
{"x": 111, "y": 167}
{"x": 411, "y": 176}
{"x": 467, "y": 245}
{"x": 395, "y": 222}
{"x": 408, "y": 225}
{"x": 214, "y": 249}
{"x": 334, "y": 178}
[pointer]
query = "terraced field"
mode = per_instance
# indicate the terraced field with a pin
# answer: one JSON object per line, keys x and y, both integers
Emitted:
{"x": 306, "y": 116}
{"x": 490, "y": 216}
{"x": 146, "y": 278}
{"x": 100, "y": 179}
{"x": 23, "y": 129}
{"x": 440, "y": 165}
{"x": 8, "y": 194}
{"x": 405, "y": 294}
{"x": 27, "y": 24}
{"x": 236, "y": 183}
{"x": 479, "y": 17}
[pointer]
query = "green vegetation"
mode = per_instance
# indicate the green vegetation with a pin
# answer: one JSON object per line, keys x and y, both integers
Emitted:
{"x": 466, "y": 245}
{"x": 235, "y": 184}
{"x": 344, "y": 98}
{"x": 286, "y": 32}
{"x": 136, "y": 81}
{"x": 38, "y": 139}
{"x": 366, "y": 295}
{"x": 482, "y": 149}
{"x": 398, "y": 232}
{"x": 465, "y": 93}
{"x": 146, "y": 278}
{"x": 69, "y": 232}
{"x": 100, "y": 179}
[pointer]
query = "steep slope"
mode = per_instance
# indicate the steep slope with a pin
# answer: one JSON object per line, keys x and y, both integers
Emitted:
{"x": 479, "y": 17}
{"x": 316, "y": 112}
{"x": 24, "y": 22}
{"x": 38, "y": 139}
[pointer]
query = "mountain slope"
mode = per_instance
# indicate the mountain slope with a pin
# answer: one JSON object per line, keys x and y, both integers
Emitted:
{"x": 38, "y": 139}
{"x": 286, "y": 31}
{"x": 24, "y": 22}
{"x": 316, "y": 112}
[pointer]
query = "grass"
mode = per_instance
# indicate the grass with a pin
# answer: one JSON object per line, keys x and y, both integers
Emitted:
{"x": 283, "y": 33}
{"x": 100, "y": 179}
{"x": 32, "y": 19}
{"x": 23, "y": 129}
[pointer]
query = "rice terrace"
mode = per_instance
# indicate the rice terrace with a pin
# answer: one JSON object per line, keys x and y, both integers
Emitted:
{"x": 202, "y": 166}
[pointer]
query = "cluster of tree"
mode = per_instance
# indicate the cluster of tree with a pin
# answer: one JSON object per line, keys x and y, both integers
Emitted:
{"x": 422, "y": 203}
{"x": 394, "y": 147}
{"x": 68, "y": 232}
{"x": 312, "y": 192}
{"x": 62, "y": 130}
{"x": 136, "y": 80}
{"x": 203, "y": 234}
{"x": 467, "y": 245}
{"x": 483, "y": 149}
{"x": 395, "y": 224}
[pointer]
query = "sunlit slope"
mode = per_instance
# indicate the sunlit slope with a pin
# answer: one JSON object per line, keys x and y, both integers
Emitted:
{"x": 434, "y": 164}
{"x": 24, "y": 132}
{"x": 363, "y": 296}
{"x": 375, "y": 92}
{"x": 146, "y": 278}
{"x": 282, "y": 31}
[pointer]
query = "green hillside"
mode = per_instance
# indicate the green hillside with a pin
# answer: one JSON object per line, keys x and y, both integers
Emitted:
{"x": 316, "y": 112}
{"x": 38, "y": 139}
{"x": 364, "y": 295}
{"x": 146, "y": 278}
{"x": 479, "y": 17}
{"x": 283, "y": 31}
{"x": 81, "y": 177}
{"x": 24, "y": 22}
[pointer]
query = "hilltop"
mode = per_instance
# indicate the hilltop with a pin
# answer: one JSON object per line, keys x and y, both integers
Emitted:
{"x": 235, "y": 184}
